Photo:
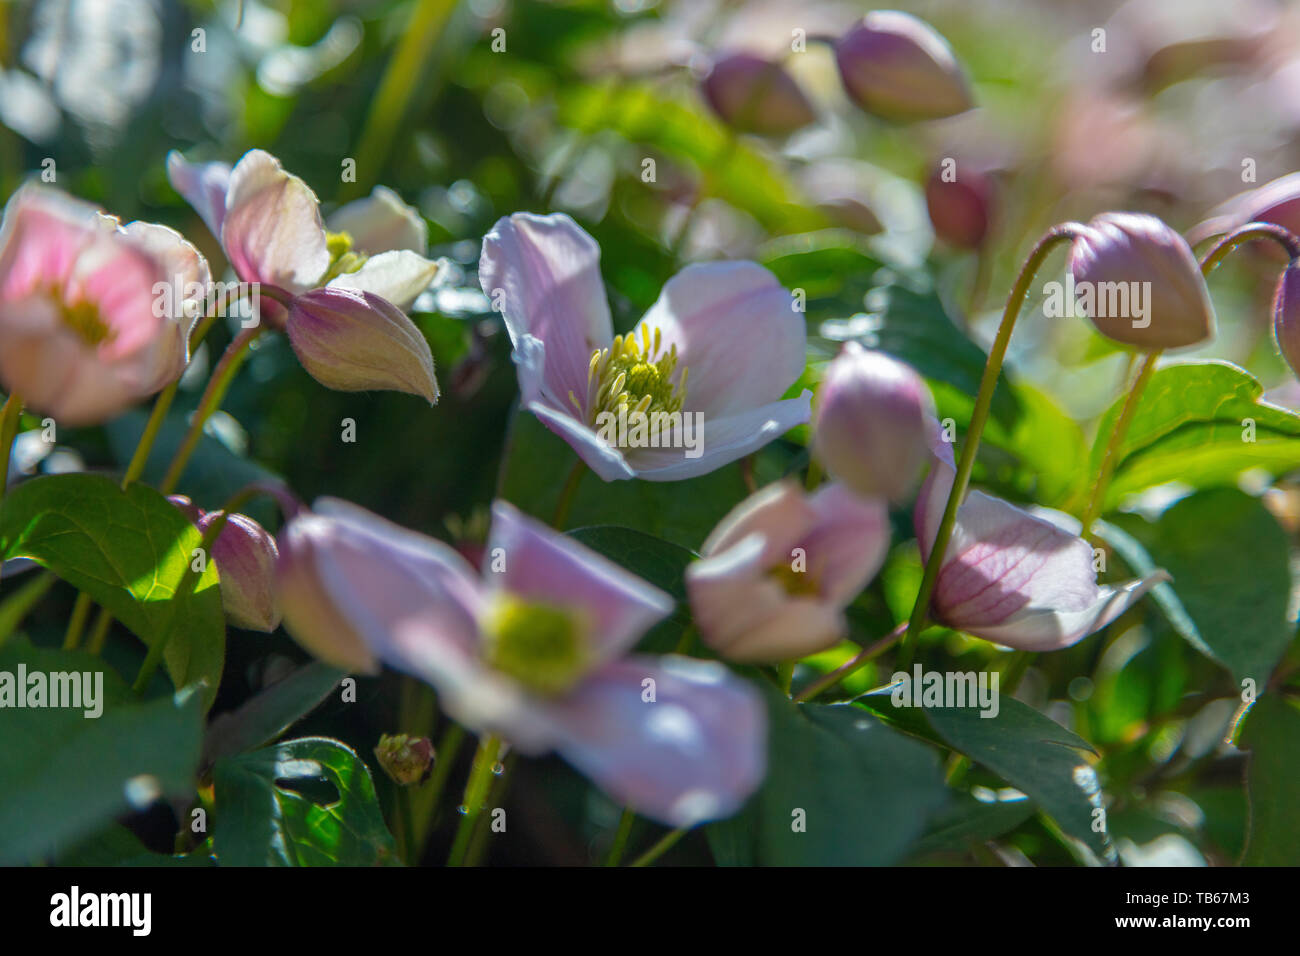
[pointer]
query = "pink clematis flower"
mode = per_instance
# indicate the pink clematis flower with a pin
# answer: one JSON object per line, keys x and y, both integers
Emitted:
{"x": 779, "y": 570}
{"x": 1020, "y": 579}
{"x": 84, "y": 333}
{"x": 245, "y": 555}
{"x": 270, "y": 226}
{"x": 625, "y": 403}
{"x": 536, "y": 650}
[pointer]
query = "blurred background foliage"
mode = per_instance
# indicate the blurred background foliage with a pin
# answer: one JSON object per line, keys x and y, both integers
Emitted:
{"x": 473, "y": 110}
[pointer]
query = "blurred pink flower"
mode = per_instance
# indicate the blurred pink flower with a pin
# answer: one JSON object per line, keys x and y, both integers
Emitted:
{"x": 899, "y": 68}
{"x": 1020, "y": 579}
{"x": 84, "y": 333}
{"x": 536, "y": 650}
{"x": 776, "y": 574}
{"x": 245, "y": 555}
{"x": 731, "y": 325}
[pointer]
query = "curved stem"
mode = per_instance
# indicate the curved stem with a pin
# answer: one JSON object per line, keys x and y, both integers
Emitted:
{"x": 867, "y": 654}
{"x": 476, "y": 792}
{"x": 567, "y": 493}
{"x": 979, "y": 415}
{"x": 218, "y": 385}
{"x": 144, "y": 446}
{"x": 77, "y": 622}
{"x": 9, "y": 416}
{"x": 665, "y": 844}
{"x": 620, "y": 837}
{"x": 1247, "y": 233}
{"x": 1112, "y": 456}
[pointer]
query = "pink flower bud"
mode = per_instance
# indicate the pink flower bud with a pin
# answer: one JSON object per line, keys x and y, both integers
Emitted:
{"x": 1139, "y": 283}
{"x": 245, "y": 555}
{"x": 1286, "y": 316}
{"x": 960, "y": 206}
{"x": 756, "y": 95}
{"x": 407, "y": 760}
{"x": 899, "y": 68}
{"x": 354, "y": 341}
{"x": 869, "y": 422}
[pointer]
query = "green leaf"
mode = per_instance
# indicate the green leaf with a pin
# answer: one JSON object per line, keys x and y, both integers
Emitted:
{"x": 1272, "y": 731}
{"x": 1190, "y": 426}
{"x": 660, "y": 562}
{"x": 968, "y": 821}
{"x": 271, "y": 712}
{"x": 865, "y": 791}
{"x": 260, "y": 822}
{"x": 1231, "y": 577}
{"x": 117, "y": 846}
{"x": 1036, "y": 755}
{"x": 64, "y": 775}
{"x": 128, "y": 550}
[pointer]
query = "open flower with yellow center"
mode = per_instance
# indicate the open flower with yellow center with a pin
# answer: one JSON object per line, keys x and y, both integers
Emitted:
{"x": 535, "y": 649}
{"x": 777, "y": 572}
{"x": 84, "y": 333}
{"x": 696, "y": 384}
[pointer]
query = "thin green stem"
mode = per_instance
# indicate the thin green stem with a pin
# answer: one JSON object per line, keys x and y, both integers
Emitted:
{"x": 620, "y": 837}
{"x": 1247, "y": 233}
{"x": 476, "y": 792}
{"x": 9, "y": 417}
{"x": 567, "y": 494}
{"x": 868, "y": 654}
{"x": 1110, "y": 460}
{"x": 99, "y": 633}
{"x": 222, "y": 376}
{"x": 424, "y": 805}
{"x": 814, "y": 475}
{"x": 16, "y": 606}
{"x": 496, "y": 794}
{"x": 666, "y": 843}
{"x": 77, "y": 622}
{"x": 979, "y": 416}
{"x": 161, "y": 406}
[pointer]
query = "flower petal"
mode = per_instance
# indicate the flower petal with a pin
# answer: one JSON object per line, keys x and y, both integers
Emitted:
{"x": 381, "y": 222}
{"x": 272, "y": 230}
{"x": 848, "y": 542}
{"x": 204, "y": 186}
{"x": 543, "y": 564}
{"x": 548, "y": 270}
{"x": 693, "y": 753}
{"x": 736, "y": 329}
{"x": 723, "y": 440}
{"x": 398, "y": 276}
{"x": 1047, "y": 629}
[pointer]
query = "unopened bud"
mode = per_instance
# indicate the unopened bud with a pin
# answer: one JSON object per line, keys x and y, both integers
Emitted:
{"x": 407, "y": 760}
{"x": 354, "y": 341}
{"x": 898, "y": 68}
{"x": 245, "y": 555}
{"x": 869, "y": 422}
{"x": 1139, "y": 282}
{"x": 755, "y": 95}
{"x": 960, "y": 207}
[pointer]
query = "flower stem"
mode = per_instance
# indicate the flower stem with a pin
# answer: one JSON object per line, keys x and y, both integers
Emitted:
{"x": 620, "y": 837}
{"x": 567, "y": 494}
{"x": 1111, "y": 459}
{"x": 1252, "y": 230}
{"x": 156, "y": 418}
{"x": 77, "y": 622}
{"x": 666, "y": 843}
{"x": 218, "y": 385}
{"x": 785, "y": 675}
{"x": 476, "y": 791}
{"x": 814, "y": 476}
{"x": 16, "y": 606}
{"x": 9, "y": 416}
{"x": 867, "y": 654}
{"x": 979, "y": 415}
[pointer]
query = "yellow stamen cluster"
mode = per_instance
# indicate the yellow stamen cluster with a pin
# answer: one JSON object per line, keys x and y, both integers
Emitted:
{"x": 795, "y": 583}
{"x": 342, "y": 259}
{"x": 543, "y": 646}
{"x": 633, "y": 374}
{"x": 85, "y": 320}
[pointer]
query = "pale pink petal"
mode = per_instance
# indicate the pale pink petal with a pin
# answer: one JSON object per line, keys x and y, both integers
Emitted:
{"x": 398, "y": 276}
{"x": 204, "y": 186}
{"x": 545, "y": 273}
{"x": 273, "y": 232}
{"x": 1048, "y": 629}
{"x": 736, "y": 329}
{"x": 381, "y": 222}
{"x": 848, "y": 542}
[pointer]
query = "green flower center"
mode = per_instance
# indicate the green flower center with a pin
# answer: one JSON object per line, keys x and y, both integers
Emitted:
{"x": 543, "y": 646}
{"x": 85, "y": 319}
{"x": 634, "y": 377}
{"x": 342, "y": 259}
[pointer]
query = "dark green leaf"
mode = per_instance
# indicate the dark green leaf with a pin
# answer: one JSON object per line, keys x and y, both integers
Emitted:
{"x": 1272, "y": 732}
{"x": 128, "y": 550}
{"x": 271, "y": 712}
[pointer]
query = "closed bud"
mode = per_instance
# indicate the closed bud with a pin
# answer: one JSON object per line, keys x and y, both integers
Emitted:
{"x": 1286, "y": 316}
{"x": 354, "y": 341}
{"x": 407, "y": 760}
{"x": 245, "y": 556}
{"x": 898, "y": 68}
{"x": 756, "y": 95}
{"x": 960, "y": 209}
{"x": 1139, "y": 282}
{"x": 869, "y": 423}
